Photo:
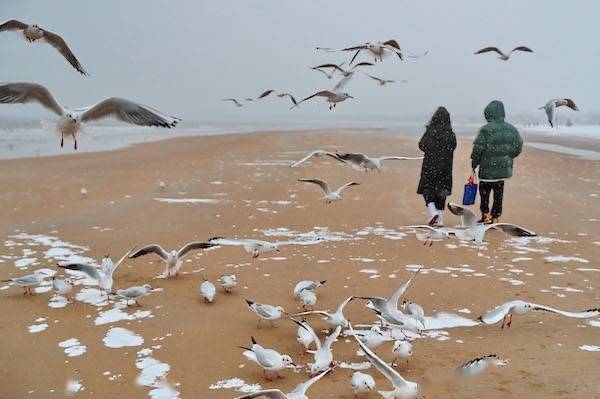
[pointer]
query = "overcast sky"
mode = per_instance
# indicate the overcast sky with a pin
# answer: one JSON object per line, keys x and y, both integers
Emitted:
{"x": 184, "y": 56}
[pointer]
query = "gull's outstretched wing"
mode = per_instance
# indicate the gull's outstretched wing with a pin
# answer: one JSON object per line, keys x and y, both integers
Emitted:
{"x": 90, "y": 270}
{"x": 585, "y": 314}
{"x": 316, "y": 153}
{"x": 479, "y": 364}
{"x": 393, "y": 302}
{"x": 266, "y": 394}
{"x": 23, "y": 93}
{"x": 303, "y": 387}
{"x": 308, "y": 328}
{"x": 488, "y": 49}
{"x": 129, "y": 112}
{"x": 265, "y": 93}
{"x": 236, "y": 102}
{"x": 343, "y": 82}
{"x": 512, "y": 229}
{"x": 468, "y": 216}
{"x": 193, "y": 246}
{"x": 148, "y": 249}
{"x": 324, "y": 186}
{"x": 522, "y": 48}
{"x": 497, "y": 314}
{"x": 341, "y": 188}
{"x": 13, "y": 24}
{"x": 59, "y": 44}
{"x": 322, "y": 93}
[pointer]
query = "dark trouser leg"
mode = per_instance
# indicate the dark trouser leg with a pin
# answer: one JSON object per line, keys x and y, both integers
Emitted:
{"x": 428, "y": 197}
{"x": 498, "y": 195}
{"x": 485, "y": 189}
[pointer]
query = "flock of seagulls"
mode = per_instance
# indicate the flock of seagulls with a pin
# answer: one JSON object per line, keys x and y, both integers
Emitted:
{"x": 401, "y": 324}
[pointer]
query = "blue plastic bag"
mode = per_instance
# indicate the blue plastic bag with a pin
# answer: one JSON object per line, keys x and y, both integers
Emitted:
{"x": 470, "y": 193}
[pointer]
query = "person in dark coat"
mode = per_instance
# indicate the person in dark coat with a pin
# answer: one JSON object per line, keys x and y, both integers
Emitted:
{"x": 438, "y": 143}
{"x": 497, "y": 144}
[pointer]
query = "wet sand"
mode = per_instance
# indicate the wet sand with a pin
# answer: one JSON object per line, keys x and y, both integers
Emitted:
{"x": 364, "y": 251}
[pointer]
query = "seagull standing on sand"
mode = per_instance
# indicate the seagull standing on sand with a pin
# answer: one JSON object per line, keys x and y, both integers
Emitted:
{"x": 316, "y": 154}
{"x": 504, "y": 56}
{"x": 269, "y": 359}
{"x": 330, "y": 196}
{"x": 134, "y": 293}
{"x": 334, "y": 319}
{"x": 332, "y": 96}
{"x": 255, "y": 247}
{"x": 62, "y": 287}
{"x": 362, "y": 383}
{"x": 402, "y": 348}
{"x": 308, "y": 299}
{"x": 505, "y": 312}
{"x": 310, "y": 285}
{"x": 403, "y": 389}
{"x": 228, "y": 282}
{"x": 361, "y": 161}
{"x": 208, "y": 291}
{"x": 31, "y": 33}
{"x": 414, "y": 309}
{"x": 104, "y": 275}
{"x": 173, "y": 260}
{"x": 474, "y": 231}
{"x": 266, "y": 312}
{"x": 298, "y": 393}
{"x": 71, "y": 119}
{"x": 28, "y": 281}
{"x": 550, "y": 108}
{"x": 305, "y": 334}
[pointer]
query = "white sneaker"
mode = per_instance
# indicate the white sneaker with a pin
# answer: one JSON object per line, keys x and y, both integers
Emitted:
{"x": 433, "y": 214}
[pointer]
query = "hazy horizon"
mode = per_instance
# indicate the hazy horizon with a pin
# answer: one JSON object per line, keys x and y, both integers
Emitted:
{"x": 184, "y": 58}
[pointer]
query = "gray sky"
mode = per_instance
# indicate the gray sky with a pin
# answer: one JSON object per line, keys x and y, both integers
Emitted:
{"x": 183, "y": 56}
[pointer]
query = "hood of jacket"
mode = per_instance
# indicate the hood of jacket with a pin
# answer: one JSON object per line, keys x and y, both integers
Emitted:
{"x": 494, "y": 112}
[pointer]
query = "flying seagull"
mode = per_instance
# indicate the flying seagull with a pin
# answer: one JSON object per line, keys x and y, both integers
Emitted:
{"x": 551, "y": 106}
{"x": 479, "y": 364}
{"x": 104, "y": 275}
{"x": 430, "y": 234}
{"x": 71, "y": 119}
{"x": 173, "y": 260}
{"x": 501, "y": 55}
{"x": 265, "y": 93}
{"x": 381, "y": 81}
{"x": 338, "y": 67}
{"x": 233, "y": 100}
{"x": 474, "y": 231}
{"x": 363, "y": 162}
{"x": 506, "y": 310}
{"x": 332, "y": 96}
{"x": 292, "y": 99}
{"x": 403, "y": 389}
{"x": 330, "y": 196}
{"x": 298, "y": 393}
{"x": 377, "y": 50}
{"x": 31, "y": 33}
{"x": 329, "y": 75}
{"x": 316, "y": 154}
{"x": 255, "y": 247}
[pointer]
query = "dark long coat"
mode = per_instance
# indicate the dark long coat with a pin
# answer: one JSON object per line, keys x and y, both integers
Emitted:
{"x": 438, "y": 143}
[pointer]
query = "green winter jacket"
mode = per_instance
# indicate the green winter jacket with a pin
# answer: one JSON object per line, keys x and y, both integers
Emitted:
{"x": 496, "y": 145}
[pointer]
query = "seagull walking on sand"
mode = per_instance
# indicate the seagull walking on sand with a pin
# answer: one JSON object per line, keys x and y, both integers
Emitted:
{"x": 173, "y": 260}
{"x": 269, "y": 359}
{"x": 104, "y": 275}
{"x": 208, "y": 291}
{"x": 308, "y": 299}
{"x": 134, "y": 293}
{"x": 62, "y": 287}
{"x": 403, "y": 389}
{"x": 33, "y": 32}
{"x": 332, "y": 96}
{"x": 315, "y": 154}
{"x": 323, "y": 357}
{"x": 334, "y": 319}
{"x": 550, "y": 108}
{"x": 266, "y": 312}
{"x": 330, "y": 196}
{"x": 362, "y": 383}
{"x": 310, "y": 285}
{"x": 505, "y": 312}
{"x": 479, "y": 365}
{"x": 71, "y": 119}
{"x": 475, "y": 231}
{"x": 364, "y": 162}
{"x": 28, "y": 281}
{"x": 402, "y": 349}
{"x": 298, "y": 393}
{"x": 228, "y": 282}
{"x": 504, "y": 56}
{"x": 255, "y": 247}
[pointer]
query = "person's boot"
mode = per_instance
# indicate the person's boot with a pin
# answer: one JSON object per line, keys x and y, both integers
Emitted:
{"x": 496, "y": 219}
{"x": 486, "y": 218}
{"x": 433, "y": 214}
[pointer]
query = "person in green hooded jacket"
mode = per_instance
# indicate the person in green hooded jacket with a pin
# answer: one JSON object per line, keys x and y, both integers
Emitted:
{"x": 494, "y": 149}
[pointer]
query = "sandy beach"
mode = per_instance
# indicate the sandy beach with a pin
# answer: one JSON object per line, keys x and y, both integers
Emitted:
{"x": 241, "y": 186}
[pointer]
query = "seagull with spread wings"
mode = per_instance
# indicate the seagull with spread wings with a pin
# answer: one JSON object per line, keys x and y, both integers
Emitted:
{"x": 298, "y": 393}
{"x": 334, "y": 319}
{"x": 505, "y": 312}
{"x": 255, "y": 247}
{"x": 377, "y": 50}
{"x": 474, "y": 231}
{"x": 403, "y": 389}
{"x": 334, "y": 96}
{"x": 323, "y": 357}
{"x": 173, "y": 260}
{"x": 364, "y": 162}
{"x": 338, "y": 68}
{"x": 104, "y": 275}
{"x": 330, "y": 196}
{"x": 504, "y": 56}
{"x": 316, "y": 154}
{"x": 550, "y": 108}
{"x": 383, "y": 82}
{"x": 32, "y": 32}
{"x": 235, "y": 101}
{"x": 71, "y": 119}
